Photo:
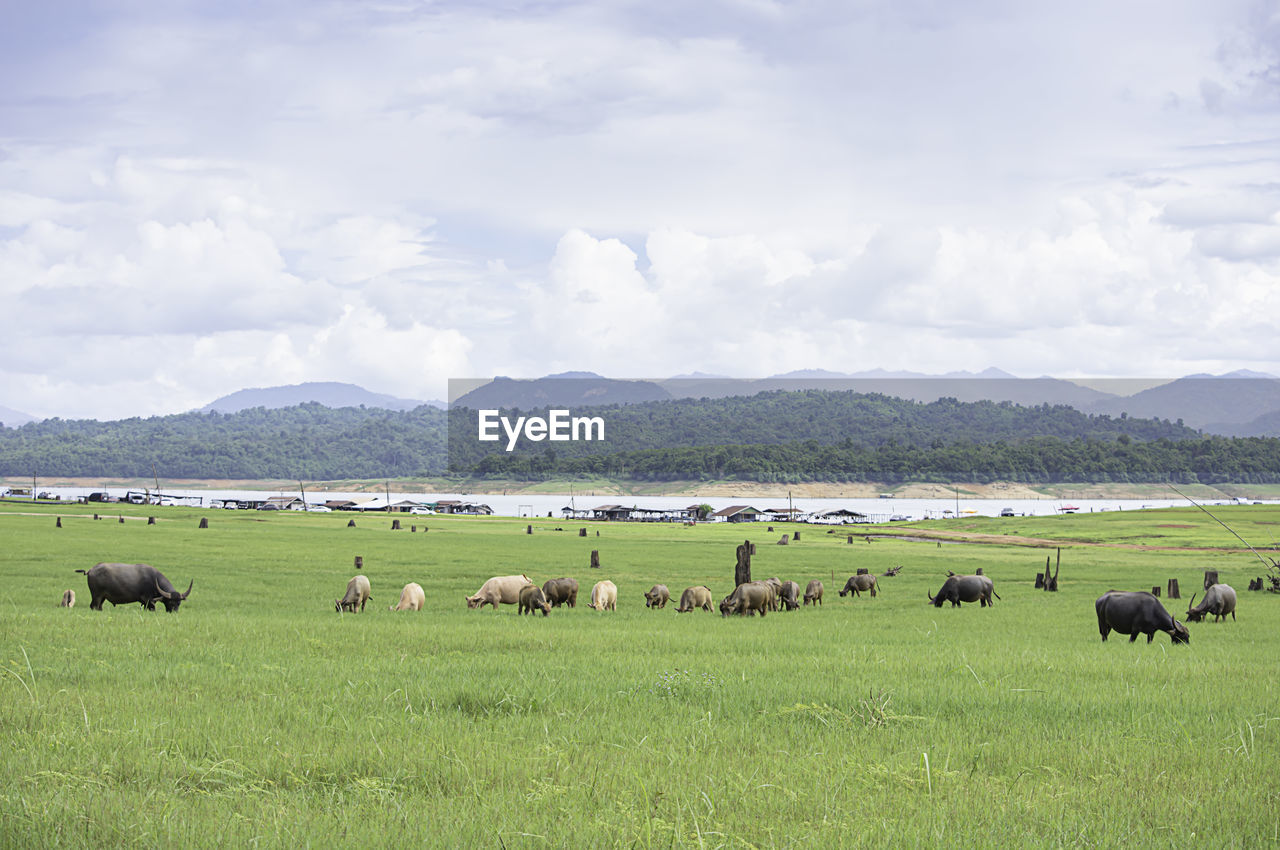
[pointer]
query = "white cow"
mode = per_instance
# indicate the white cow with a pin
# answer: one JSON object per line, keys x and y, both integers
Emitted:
{"x": 411, "y": 598}
{"x": 604, "y": 596}
{"x": 504, "y": 589}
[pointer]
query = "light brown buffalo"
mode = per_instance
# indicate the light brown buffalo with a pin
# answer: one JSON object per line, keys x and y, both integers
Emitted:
{"x": 411, "y": 598}
{"x": 657, "y": 596}
{"x": 813, "y": 593}
{"x": 357, "y": 594}
{"x": 749, "y": 598}
{"x": 499, "y": 589}
{"x": 789, "y": 596}
{"x": 68, "y": 599}
{"x": 857, "y": 584}
{"x": 695, "y": 597}
{"x": 604, "y": 596}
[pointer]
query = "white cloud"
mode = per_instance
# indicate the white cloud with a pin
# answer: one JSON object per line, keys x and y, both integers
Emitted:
{"x": 746, "y": 187}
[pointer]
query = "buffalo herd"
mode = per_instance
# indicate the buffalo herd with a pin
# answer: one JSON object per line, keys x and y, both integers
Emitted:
{"x": 1126, "y": 612}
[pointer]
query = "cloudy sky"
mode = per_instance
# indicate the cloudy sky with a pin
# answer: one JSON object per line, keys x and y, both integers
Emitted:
{"x": 201, "y": 197}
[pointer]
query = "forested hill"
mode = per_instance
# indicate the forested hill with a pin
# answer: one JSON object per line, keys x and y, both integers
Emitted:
{"x": 818, "y": 435}
{"x": 309, "y": 441}
{"x": 848, "y": 419}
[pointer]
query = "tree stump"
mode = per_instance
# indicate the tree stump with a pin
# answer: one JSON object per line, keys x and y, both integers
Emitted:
{"x": 59, "y": 522}
{"x": 784, "y": 540}
{"x": 1256, "y": 584}
{"x": 1155, "y": 591}
{"x": 528, "y": 529}
{"x": 359, "y": 563}
{"x": 770, "y": 529}
{"x": 151, "y": 520}
{"x": 351, "y": 523}
{"x": 413, "y": 529}
{"x": 795, "y": 536}
{"x": 1173, "y": 589}
{"x": 122, "y": 520}
{"x": 862, "y": 571}
{"x": 1039, "y": 581}
{"x": 978, "y": 571}
{"x": 204, "y": 522}
{"x": 1210, "y": 578}
{"x": 582, "y": 532}
{"x": 595, "y": 559}
{"x": 742, "y": 570}
{"x": 395, "y": 525}
{"x": 95, "y": 516}
{"x": 850, "y": 540}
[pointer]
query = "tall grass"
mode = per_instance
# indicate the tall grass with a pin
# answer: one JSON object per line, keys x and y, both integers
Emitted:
{"x": 258, "y": 715}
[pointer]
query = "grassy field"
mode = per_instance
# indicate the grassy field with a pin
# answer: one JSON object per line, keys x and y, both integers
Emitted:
{"x": 257, "y": 716}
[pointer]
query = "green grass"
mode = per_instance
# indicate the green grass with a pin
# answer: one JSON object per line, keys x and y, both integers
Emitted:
{"x": 257, "y": 715}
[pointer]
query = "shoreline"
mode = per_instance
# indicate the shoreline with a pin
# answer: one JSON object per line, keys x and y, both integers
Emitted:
{"x": 685, "y": 489}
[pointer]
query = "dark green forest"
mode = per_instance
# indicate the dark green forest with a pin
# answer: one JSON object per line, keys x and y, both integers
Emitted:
{"x": 807, "y": 435}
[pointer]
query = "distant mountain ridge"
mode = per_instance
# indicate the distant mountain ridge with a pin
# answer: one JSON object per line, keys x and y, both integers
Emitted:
{"x": 327, "y": 393}
{"x": 1237, "y": 403}
{"x": 11, "y": 418}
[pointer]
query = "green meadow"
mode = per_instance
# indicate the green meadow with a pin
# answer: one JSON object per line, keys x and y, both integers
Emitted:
{"x": 258, "y": 716}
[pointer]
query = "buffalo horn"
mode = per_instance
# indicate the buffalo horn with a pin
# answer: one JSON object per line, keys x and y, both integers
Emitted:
{"x": 189, "y": 585}
{"x": 160, "y": 590}
{"x": 1192, "y": 603}
{"x": 926, "y": 593}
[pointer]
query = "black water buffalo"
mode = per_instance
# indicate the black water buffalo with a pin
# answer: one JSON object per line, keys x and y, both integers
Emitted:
{"x": 789, "y": 596}
{"x": 1137, "y": 612}
{"x": 957, "y": 589}
{"x": 857, "y": 584}
{"x": 1219, "y": 600}
{"x": 531, "y": 597}
{"x": 749, "y": 598}
{"x": 561, "y": 591}
{"x": 124, "y": 584}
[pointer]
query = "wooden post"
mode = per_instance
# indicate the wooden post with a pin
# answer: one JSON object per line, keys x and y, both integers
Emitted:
{"x": 59, "y": 522}
{"x": 595, "y": 559}
{"x": 413, "y": 529}
{"x": 1155, "y": 591}
{"x": 753, "y": 548}
{"x": 582, "y": 532}
{"x": 122, "y": 519}
{"x": 795, "y": 535}
{"x": 151, "y": 520}
{"x": 204, "y": 522}
{"x": 742, "y": 570}
{"x": 850, "y": 538}
{"x": 395, "y": 525}
{"x": 1210, "y": 578}
{"x": 528, "y": 529}
{"x": 1173, "y": 589}
{"x": 95, "y": 516}
{"x": 359, "y": 563}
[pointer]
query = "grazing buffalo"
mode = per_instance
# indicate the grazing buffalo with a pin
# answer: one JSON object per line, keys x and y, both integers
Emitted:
{"x": 561, "y": 591}
{"x": 531, "y": 597}
{"x": 775, "y": 584}
{"x": 657, "y": 596}
{"x": 749, "y": 598}
{"x": 499, "y": 589}
{"x": 1137, "y": 612}
{"x": 789, "y": 596}
{"x": 123, "y": 584}
{"x": 957, "y": 589}
{"x": 695, "y": 597}
{"x": 857, "y": 584}
{"x": 604, "y": 596}
{"x": 357, "y": 594}
{"x": 68, "y": 599}
{"x": 1219, "y": 600}
{"x": 813, "y": 593}
{"x": 411, "y": 598}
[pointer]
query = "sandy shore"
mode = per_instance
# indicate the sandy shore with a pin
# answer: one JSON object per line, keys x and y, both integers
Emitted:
{"x": 692, "y": 489}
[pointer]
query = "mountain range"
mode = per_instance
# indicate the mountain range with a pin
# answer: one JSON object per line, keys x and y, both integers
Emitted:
{"x": 1239, "y": 404}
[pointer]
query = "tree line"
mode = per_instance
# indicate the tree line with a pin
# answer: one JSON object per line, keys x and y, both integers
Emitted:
{"x": 774, "y": 436}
